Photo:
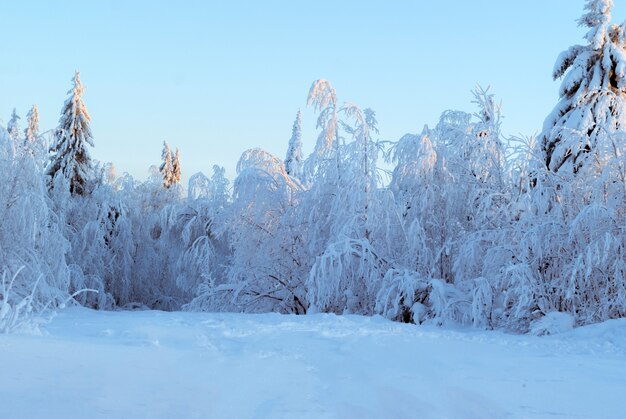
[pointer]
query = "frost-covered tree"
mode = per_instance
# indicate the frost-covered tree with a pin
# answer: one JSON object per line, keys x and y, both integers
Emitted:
{"x": 220, "y": 186}
{"x": 102, "y": 246}
{"x": 418, "y": 286}
{"x": 450, "y": 187}
{"x": 592, "y": 93}
{"x": 33, "y": 270}
{"x": 323, "y": 166}
{"x": 157, "y": 229}
{"x": 70, "y": 157}
{"x": 13, "y": 127}
{"x": 264, "y": 274}
{"x": 294, "y": 159}
{"x": 33, "y": 143}
{"x": 568, "y": 246}
{"x": 167, "y": 166}
{"x": 364, "y": 125}
{"x": 346, "y": 240}
{"x": 203, "y": 265}
{"x": 31, "y": 133}
{"x": 199, "y": 187}
{"x": 176, "y": 169}
{"x": 323, "y": 98}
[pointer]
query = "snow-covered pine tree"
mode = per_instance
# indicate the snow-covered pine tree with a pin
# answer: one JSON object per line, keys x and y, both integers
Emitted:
{"x": 13, "y": 127}
{"x": 593, "y": 92}
{"x": 176, "y": 169}
{"x": 69, "y": 153}
{"x": 167, "y": 166}
{"x": 32, "y": 130}
{"x": 293, "y": 160}
{"x": 33, "y": 144}
{"x": 563, "y": 249}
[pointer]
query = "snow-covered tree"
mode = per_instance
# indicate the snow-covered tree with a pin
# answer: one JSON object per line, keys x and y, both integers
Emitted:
{"x": 103, "y": 247}
{"x": 323, "y": 98}
{"x": 346, "y": 238}
{"x": 592, "y": 93}
{"x": 203, "y": 265}
{"x": 33, "y": 143}
{"x": 294, "y": 159}
{"x": 215, "y": 189}
{"x": 167, "y": 166}
{"x": 568, "y": 247}
{"x": 199, "y": 187}
{"x": 157, "y": 229}
{"x": 220, "y": 185}
{"x": 451, "y": 193}
{"x": 33, "y": 270}
{"x": 263, "y": 274}
{"x": 13, "y": 127}
{"x": 70, "y": 157}
{"x": 176, "y": 169}
{"x": 31, "y": 133}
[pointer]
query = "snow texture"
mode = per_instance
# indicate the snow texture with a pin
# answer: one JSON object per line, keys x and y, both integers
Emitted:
{"x": 151, "y": 364}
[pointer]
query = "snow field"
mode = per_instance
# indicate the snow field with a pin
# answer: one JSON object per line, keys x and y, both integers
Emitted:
{"x": 197, "y": 365}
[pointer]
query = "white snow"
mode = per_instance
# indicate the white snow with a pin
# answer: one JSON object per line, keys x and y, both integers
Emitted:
{"x": 552, "y": 323}
{"x": 89, "y": 364}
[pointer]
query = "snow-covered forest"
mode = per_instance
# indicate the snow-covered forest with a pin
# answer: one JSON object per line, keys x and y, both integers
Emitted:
{"x": 456, "y": 224}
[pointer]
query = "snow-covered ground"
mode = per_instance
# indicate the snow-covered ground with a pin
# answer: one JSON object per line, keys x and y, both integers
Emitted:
{"x": 90, "y": 364}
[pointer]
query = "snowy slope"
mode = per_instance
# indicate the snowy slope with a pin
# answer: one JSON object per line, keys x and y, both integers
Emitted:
{"x": 90, "y": 364}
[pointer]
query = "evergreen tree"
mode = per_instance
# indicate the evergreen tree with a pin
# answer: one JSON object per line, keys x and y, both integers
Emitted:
{"x": 167, "y": 166}
{"x": 176, "y": 170}
{"x": 69, "y": 153}
{"x": 570, "y": 235}
{"x": 32, "y": 130}
{"x": 592, "y": 93}
{"x": 13, "y": 127}
{"x": 293, "y": 161}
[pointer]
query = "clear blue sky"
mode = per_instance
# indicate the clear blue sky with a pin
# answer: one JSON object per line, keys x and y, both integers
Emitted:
{"x": 216, "y": 78}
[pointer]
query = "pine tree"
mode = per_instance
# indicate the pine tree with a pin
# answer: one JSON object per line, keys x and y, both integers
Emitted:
{"x": 70, "y": 156}
{"x": 176, "y": 169}
{"x": 32, "y": 130}
{"x": 13, "y": 127}
{"x": 592, "y": 93}
{"x": 167, "y": 166}
{"x": 293, "y": 161}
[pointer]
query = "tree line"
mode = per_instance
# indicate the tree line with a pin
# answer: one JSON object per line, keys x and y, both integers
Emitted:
{"x": 468, "y": 227}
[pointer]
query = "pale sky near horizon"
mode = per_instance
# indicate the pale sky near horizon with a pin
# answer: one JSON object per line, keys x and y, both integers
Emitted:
{"x": 216, "y": 78}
